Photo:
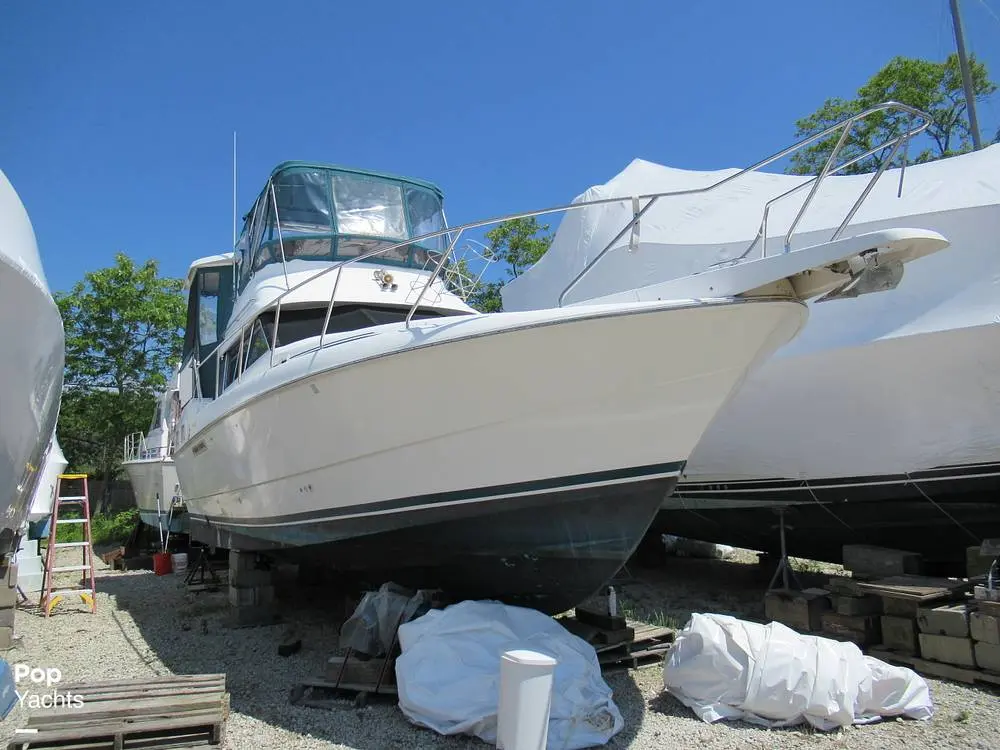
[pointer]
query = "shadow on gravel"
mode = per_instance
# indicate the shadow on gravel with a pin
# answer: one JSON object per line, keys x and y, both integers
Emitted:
{"x": 185, "y": 631}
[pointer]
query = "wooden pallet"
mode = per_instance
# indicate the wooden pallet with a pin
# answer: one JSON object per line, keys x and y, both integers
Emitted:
{"x": 649, "y": 646}
{"x": 176, "y": 711}
{"x": 936, "y": 668}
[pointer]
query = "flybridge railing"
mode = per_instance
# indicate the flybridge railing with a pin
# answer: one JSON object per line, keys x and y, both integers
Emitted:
{"x": 640, "y": 205}
{"x": 137, "y": 449}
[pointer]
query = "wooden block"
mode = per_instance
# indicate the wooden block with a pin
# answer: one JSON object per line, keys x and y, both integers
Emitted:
{"x": 796, "y": 610}
{"x": 601, "y": 620}
{"x": 858, "y": 605}
{"x": 900, "y": 634}
{"x": 900, "y": 607}
{"x": 943, "y": 648}
{"x": 987, "y": 656}
{"x": 984, "y": 627}
{"x": 880, "y": 561}
{"x": 359, "y": 672}
{"x": 949, "y": 619}
{"x": 862, "y": 629}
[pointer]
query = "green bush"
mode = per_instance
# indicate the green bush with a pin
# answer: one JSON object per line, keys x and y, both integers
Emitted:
{"x": 104, "y": 529}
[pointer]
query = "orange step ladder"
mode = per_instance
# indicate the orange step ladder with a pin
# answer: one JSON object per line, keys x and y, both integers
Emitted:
{"x": 87, "y": 593}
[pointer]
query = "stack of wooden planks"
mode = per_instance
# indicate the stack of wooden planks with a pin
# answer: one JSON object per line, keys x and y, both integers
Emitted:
{"x": 176, "y": 711}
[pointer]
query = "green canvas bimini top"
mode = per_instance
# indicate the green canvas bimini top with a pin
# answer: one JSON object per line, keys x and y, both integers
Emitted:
{"x": 286, "y": 165}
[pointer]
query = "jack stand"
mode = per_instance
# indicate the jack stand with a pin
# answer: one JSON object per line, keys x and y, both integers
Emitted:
{"x": 784, "y": 567}
{"x": 202, "y": 565}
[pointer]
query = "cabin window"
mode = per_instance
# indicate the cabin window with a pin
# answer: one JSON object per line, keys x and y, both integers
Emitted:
{"x": 303, "y": 203}
{"x": 368, "y": 206}
{"x": 296, "y": 325}
{"x": 257, "y": 346}
{"x": 423, "y": 211}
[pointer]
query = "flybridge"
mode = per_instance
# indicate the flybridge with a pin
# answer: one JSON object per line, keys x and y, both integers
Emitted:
{"x": 331, "y": 213}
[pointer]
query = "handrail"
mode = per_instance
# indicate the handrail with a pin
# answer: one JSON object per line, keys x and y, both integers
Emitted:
{"x": 649, "y": 198}
{"x": 844, "y": 124}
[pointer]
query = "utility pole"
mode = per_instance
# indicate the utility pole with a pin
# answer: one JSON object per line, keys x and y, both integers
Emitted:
{"x": 963, "y": 62}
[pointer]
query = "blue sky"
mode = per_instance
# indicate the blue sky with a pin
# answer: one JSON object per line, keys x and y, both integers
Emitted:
{"x": 117, "y": 117}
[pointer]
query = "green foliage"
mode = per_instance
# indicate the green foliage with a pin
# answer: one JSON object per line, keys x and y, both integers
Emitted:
{"x": 113, "y": 529}
{"x": 518, "y": 244}
{"x": 123, "y": 329}
{"x": 934, "y": 88}
{"x": 104, "y": 528}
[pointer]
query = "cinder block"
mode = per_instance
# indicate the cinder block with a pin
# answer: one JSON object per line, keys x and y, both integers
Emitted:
{"x": 250, "y": 578}
{"x": 6, "y": 638}
{"x": 900, "y": 607}
{"x": 948, "y": 619}
{"x": 865, "y": 559}
{"x": 900, "y": 634}
{"x": 7, "y": 617}
{"x": 975, "y": 563}
{"x": 988, "y": 656}
{"x": 10, "y": 576}
{"x": 947, "y": 649}
{"x": 862, "y": 629}
{"x": 984, "y": 628}
{"x": 858, "y": 605}
{"x": 250, "y": 596}
{"x": 8, "y": 597}
{"x": 799, "y": 611}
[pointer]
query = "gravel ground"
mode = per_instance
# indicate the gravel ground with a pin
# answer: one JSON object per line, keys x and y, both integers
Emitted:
{"x": 150, "y": 625}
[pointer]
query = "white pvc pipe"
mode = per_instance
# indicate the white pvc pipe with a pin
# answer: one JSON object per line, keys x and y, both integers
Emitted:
{"x": 525, "y": 698}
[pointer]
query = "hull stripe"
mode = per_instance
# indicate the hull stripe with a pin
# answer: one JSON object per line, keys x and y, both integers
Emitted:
{"x": 480, "y": 494}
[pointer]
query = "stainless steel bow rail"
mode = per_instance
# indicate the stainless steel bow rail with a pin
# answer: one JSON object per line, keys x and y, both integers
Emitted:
{"x": 640, "y": 205}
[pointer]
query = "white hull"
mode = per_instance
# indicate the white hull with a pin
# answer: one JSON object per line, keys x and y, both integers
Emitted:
{"x": 893, "y": 382}
{"x": 48, "y": 484}
{"x": 154, "y": 484}
{"x": 31, "y": 369}
{"x": 442, "y": 408}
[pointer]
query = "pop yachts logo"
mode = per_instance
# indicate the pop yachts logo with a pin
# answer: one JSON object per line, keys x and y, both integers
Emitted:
{"x": 28, "y": 679}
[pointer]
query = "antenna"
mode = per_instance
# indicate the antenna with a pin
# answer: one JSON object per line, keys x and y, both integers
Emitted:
{"x": 234, "y": 190}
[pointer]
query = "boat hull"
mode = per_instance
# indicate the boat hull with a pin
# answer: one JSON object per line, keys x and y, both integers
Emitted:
{"x": 905, "y": 459}
{"x": 48, "y": 484}
{"x": 31, "y": 369}
{"x": 152, "y": 480}
{"x": 536, "y": 436}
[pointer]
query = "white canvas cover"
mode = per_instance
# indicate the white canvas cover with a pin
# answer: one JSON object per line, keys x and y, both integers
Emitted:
{"x": 725, "y": 668}
{"x": 448, "y": 674}
{"x": 887, "y": 383}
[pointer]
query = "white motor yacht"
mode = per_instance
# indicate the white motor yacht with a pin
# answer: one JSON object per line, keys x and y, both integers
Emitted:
{"x": 342, "y": 405}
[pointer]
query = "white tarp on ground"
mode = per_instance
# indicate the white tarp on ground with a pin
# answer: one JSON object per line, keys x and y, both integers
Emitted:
{"x": 725, "y": 668}
{"x": 838, "y": 400}
{"x": 448, "y": 674}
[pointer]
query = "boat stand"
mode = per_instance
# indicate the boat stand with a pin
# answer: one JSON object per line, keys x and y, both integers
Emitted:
{"x": 784, "y": 568}
{"x": 201, "y": 565}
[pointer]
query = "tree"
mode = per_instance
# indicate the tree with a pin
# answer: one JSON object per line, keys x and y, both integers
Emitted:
{"x": 518, "y": 244}
{"x": 932, "y": 87}
{"x": 123, "y": 330}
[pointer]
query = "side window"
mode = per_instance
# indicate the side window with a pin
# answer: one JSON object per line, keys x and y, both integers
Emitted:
{"x": 257, "y": 345}
{"x": 230, "y": 366}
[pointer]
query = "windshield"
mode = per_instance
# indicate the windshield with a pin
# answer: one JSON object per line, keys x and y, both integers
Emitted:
{"x": 330, "y": 214}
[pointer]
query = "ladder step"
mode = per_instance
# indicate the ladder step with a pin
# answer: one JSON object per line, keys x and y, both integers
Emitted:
{"x": 60, "y": 592}
{"x": 73, "y": 499}
{"x": 70, "y": 568}
{"x": 60, "y": 545}
{"x": 72, "y": 520}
